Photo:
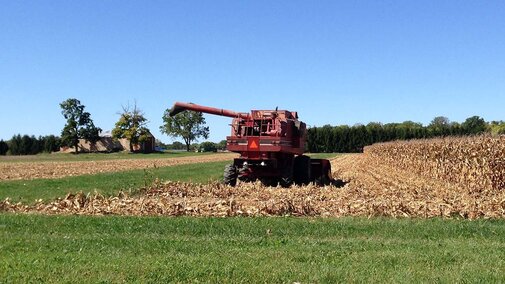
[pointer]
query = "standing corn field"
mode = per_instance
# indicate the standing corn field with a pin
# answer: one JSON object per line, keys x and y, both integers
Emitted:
{"x": 475, "y": 162}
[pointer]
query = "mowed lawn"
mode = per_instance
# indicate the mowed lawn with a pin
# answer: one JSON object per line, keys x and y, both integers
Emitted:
{"x": 250, "y": 250}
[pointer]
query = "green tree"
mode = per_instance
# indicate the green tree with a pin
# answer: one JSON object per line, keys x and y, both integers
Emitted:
{"x": 92, "y": 135}
{"x": 440, "y": 126}
{"x": 132, "y": 125}
{"x": 455, "y": 128}
{"x": 188, "y": 125}
{"x": 79, "y": 125}
{"x": 208, "y": 147}
{"x": 36, "y": 146}
{"x": 374, "y": 132}
{"x": 412, "y": 129}
{"x": 15, "y": 145}
{"x": 51, "y": 144}
{"x": 194, "y": 147}
{"x": 177, "y": 146}
{"x": 312, "y": 136}
{"x": 26, "y": 145}
{"x": 474, "y": 125}
{"x": 4, "y": 147}
{"x": 221, "y": 145}
{"x": 497, "y": 127}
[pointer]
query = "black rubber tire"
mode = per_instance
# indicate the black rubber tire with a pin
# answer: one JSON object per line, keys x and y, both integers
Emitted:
{"x": 302, "y": 170}
{"x": 242, "y": 174}
{"x": 286, "y": 179}
{"x": 325, "y": 178}
{"x": 268, "y": 181}
{"x": 230, "y": 175}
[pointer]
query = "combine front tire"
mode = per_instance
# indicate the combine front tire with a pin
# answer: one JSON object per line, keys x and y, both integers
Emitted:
{"x": 230, "y": 175}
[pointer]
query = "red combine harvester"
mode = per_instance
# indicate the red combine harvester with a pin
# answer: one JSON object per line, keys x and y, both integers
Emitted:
{"x": 271, "y": 144}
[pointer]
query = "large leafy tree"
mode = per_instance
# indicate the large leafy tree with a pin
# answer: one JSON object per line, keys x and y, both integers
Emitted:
{"x": 440, "y": 126}
{"x": 474, "y": 125}
{"x": 131, "y": 125}
{"x": 79, "y": 125}
{"x": 188, "y": 125}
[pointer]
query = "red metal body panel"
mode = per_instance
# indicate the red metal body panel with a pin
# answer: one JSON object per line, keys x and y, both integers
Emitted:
{"x": 266, "y": 144}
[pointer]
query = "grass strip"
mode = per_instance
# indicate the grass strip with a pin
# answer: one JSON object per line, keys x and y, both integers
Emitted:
{"x": 251, "y": 250}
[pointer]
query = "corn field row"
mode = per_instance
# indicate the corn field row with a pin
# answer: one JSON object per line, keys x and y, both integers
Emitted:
{"x": 477, "y": 163}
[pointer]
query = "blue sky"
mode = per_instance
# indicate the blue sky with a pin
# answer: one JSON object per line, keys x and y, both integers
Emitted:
{"x": 335, "y": 62}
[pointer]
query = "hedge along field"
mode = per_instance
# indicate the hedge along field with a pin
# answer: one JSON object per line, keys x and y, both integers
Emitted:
{"x": 477, "y": 162}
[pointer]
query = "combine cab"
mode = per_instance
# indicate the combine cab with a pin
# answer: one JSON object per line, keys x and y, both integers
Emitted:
{"x": 271, "y": 144}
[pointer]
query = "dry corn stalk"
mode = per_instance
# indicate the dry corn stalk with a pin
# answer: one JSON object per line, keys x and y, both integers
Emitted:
{"x": 475, "y": 162}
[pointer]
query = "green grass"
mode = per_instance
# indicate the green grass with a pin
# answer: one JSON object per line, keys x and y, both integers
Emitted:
{"x": 159, "y": 250}
{"x": 28, "y": 191}
{"x": 323, "y": 155}
{"x": 69, "y": 157}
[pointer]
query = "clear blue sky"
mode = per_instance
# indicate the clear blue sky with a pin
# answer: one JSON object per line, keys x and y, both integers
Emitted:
{"x": 336, "y": 62}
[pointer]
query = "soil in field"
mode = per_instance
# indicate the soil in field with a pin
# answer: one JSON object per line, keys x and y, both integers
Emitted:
{"x": 371, "y": 190}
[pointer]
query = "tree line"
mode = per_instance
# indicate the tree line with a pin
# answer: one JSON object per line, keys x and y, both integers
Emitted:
{"x": 189, "y": 125}
{"x": 30, "y": 145}
{"x": 352, "y": 139}
{"x": 206, "y": 146}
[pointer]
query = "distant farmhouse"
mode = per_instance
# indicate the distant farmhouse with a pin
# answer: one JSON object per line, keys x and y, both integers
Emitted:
{"x": 108, "y": 144}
